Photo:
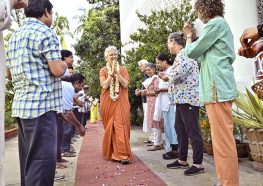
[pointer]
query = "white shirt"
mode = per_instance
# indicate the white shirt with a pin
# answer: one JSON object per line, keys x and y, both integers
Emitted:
{"x": 68, "y": 93}
{"x": 82, "y": 99}
{"x": 164, "y": 99}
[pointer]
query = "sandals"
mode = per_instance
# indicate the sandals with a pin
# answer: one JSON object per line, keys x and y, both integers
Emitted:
{"x": 147, "y": 141}
{"x": 61, "y": 166}
{"x": 62, "y": 160}
{"x": 68, "y": 154}
{"x": 154, "y": 148}
{"x": 125, "y": 162}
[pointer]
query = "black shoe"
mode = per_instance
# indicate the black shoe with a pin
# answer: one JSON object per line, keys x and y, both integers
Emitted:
{"x": 177, "y": 165}
{"x": 171, "y": 155}
{"x": 193, "y": 171}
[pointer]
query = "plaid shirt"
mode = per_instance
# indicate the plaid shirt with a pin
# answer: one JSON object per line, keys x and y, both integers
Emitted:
{"x": 37, "y": 91}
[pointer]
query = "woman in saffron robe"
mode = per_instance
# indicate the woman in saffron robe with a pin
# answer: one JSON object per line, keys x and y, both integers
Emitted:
{"x": 115, "y": 108}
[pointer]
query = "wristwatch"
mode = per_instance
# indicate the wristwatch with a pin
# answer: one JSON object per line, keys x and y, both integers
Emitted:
{"x": 260, "y": 29}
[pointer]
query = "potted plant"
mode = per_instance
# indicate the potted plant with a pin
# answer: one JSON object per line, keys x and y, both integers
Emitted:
{"x": 243, "y": 149}
{"x": 251, "y": 117}
{"x": 206, "y": 131}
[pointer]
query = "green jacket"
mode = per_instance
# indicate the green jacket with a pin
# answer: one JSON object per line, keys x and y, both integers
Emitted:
{"x": 214, "y": 51}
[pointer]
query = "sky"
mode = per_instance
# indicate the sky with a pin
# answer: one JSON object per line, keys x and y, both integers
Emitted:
{"x": 70, "y": 9}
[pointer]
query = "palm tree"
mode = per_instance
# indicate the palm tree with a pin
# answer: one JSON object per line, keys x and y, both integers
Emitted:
{"x": 61, "y": 28}
{"x": 82, "y": 19}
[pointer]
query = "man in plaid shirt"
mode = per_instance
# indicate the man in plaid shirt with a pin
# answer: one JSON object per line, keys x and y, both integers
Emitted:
{"x": 34, "y": 65}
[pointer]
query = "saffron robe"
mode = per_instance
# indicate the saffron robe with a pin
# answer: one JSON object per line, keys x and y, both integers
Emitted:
{"x": 116, "y": 120}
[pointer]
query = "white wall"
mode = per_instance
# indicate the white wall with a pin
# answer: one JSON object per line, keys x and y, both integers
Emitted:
{"x": 241, "y": 14}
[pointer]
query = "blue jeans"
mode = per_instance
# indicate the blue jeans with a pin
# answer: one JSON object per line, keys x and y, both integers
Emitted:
{"x": 37, "y": 141}
{"x": 67, "y": 135}
{"x": 60, "y": 133}
{"x": 169, "y": 127}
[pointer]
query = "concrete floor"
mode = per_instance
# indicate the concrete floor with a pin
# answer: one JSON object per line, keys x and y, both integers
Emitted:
{"x": 175, "y": 177}
{"x": 11, "y": 165}
{"x": 248, "y": 176}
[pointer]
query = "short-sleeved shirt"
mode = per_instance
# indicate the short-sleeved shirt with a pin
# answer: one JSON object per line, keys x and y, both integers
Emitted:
{"x": 68, "y": 93}
{"x": 36, "y": 90}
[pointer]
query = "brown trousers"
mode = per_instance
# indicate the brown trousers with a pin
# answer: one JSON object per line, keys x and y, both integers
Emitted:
{"x": 224, "y": 146}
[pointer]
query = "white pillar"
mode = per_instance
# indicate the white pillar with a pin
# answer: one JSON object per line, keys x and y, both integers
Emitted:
{"x": 241, "y": 14}
{"x": 2, "y": 109}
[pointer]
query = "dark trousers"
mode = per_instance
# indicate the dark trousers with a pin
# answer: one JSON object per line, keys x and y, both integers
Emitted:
{"x": 60, "y": 133}
{"x": 84, "y": 118}
{"x": 187, "y": 127}
{"x": 78, "y": 115}
{"x": 67, "y": 135}
{"x": 88, "y": 115}
{"x": 37, "y": 142}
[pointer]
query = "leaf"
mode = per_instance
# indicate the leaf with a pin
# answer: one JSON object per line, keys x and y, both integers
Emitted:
{"x": 251, "y": 115}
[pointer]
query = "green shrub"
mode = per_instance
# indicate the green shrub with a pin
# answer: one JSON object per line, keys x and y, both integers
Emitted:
{"x": 10, "y": 122}
{"x": 161, "y": 24}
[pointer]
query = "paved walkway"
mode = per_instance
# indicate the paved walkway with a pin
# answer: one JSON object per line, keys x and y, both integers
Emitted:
{"x": 248, "y": 176}
{"x": 175, "y": 177}
{"x": 92, "y": 169}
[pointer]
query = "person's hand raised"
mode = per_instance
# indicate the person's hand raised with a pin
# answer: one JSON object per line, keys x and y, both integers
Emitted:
{"x": 248, "y": 52}
{"x": 252, "y": 51}
{"x": 188, "y": 29}
{"x": 157, "y": 91}
{"x": 113, "y": 66}
{"x": 165, "y": 78}
{"x": 249, "y": 36}
{"x": 137, "y": 92}
{"x": 160, "y": 74}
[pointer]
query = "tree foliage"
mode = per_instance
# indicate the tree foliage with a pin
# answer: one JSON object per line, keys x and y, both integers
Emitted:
{"x": 97, "y": 4}
{"x": 100, "y": 30}
{"x": 161, "y": 24}
{"x": 61, "y": 28}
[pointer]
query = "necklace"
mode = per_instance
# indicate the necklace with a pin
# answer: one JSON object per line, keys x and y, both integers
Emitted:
{"x": 114, "y": 85}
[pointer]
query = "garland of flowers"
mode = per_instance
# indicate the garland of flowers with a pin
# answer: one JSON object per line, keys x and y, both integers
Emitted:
{"x": 114, "y": 90}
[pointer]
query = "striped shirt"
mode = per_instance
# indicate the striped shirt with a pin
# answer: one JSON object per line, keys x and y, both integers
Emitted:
{"x": 36, "y": 90}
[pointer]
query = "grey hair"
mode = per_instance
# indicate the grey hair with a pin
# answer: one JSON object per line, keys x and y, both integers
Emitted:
{"x": 151, "y": 65}
{"x": 109, "y": 48}
{"x": 143, "y": 61}
{"x": 178, "y": 37}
